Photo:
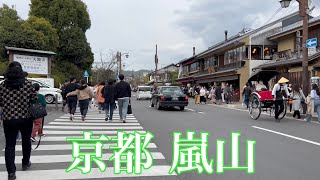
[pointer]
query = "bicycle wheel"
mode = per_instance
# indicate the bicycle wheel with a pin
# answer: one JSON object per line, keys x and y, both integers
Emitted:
{"x": 283, "y": 114}
{"x": 254, "y": 107}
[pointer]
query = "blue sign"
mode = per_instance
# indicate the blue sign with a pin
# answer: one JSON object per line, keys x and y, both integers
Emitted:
{"x": 312, "y": 43}
{"x": 86, "y": 74}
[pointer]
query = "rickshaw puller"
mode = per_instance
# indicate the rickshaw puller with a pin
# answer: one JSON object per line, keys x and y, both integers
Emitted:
{"x": 279, "y": 91}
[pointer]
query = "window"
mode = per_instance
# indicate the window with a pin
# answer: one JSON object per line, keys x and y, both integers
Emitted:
{"x": 235, "y": 55}
{"x": 256, "y": 52}
{"x": 269, "y": 51}
{"x": 194, "y": 67}
{"x": 185, "y": 69}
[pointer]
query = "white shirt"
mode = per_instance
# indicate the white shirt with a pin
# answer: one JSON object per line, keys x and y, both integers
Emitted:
{"x": 314, "y": 94}
{"x": 277, "y": 87}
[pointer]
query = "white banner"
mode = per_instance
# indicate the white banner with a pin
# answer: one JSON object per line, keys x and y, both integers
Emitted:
{"x": 33, "y": 64}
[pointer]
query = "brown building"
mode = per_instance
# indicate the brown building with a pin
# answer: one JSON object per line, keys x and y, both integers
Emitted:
{"x": 288, "y": 60}
{"x": 233, "y": 60}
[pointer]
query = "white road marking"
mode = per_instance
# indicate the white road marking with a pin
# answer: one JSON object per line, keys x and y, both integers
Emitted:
{"x": 94, "y": 124}
{"x": 287, "y": 135}
{"x": 201, "y": 113}
{"x": 94, "y": 132}
{"x": 92, "y": 128}
{"x": 190, "y": 109}
{"x": 60, "y": 174}
{"x": 57, "y": 147}
{"x": 96, "y": 121}
{"x": 68, "y": 158}
{"x": 98, "y": 118}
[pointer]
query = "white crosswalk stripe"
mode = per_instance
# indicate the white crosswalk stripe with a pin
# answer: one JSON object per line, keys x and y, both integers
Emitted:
{"x": 54, "y": 155}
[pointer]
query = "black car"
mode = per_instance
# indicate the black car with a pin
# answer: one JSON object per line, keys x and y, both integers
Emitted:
{"x": 169, "y": 96}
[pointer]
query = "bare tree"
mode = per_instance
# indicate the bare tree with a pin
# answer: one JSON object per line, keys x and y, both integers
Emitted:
{"x": 105, "y": 68}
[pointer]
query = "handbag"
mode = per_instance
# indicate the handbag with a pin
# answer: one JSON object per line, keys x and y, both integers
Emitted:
{"x": 37, "y": 110}
{"x": 129, "y": 108}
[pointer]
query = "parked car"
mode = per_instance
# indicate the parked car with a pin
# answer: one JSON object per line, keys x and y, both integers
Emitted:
{"x": 48, "y": 92}
{"x": 169, "y": 96}
{"x": 144, "y": 92}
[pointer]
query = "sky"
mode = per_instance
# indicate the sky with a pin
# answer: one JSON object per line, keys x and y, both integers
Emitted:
{"x": 176, "y": 26}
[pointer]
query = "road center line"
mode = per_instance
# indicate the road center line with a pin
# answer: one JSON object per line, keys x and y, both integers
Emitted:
{"x": 287, "y": 135}
{"x": 190, "y": 109}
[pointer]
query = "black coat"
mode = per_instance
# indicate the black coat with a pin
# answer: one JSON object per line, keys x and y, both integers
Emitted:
{"x": 109, "y": 94}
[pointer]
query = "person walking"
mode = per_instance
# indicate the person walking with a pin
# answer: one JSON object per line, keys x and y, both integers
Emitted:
{"x": 298, "y": 97}
{"x": 84, "y": 95}
{"x": 100, "y": 99}
{"x": 315, "y": 96}
{"x": 110, "y": 95}
{"x": 63, "y": 94}
{"x": 226, "y": 91}
{"x": 218, "y": 94}
{"x": 16, "y": 95}
{"x": 279, "y": 91}
{"x": 290, "y": 102}
{"x": 246, "y": 94}
{"x": 72, "y": 100}
{"x": 123, "y": 95}
{"x": 37, "y": 124}
{"x": 197, "y": 95}
{"x": 310, "y": 108}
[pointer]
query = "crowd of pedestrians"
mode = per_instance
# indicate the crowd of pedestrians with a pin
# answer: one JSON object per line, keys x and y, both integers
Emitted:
{"x": 18, "y": 95}
{"x": 214, "y": 94}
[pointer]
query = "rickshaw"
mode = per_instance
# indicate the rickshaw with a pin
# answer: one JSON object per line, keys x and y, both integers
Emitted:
{"x": 263, "y": 100}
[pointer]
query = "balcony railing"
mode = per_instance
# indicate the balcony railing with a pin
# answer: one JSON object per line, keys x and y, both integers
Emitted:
{"x": 234, "y": 65}
{"x": 289, "y": 55}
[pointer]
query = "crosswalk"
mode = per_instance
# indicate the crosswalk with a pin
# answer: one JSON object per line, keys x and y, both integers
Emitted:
{"x": 54, "y": 155}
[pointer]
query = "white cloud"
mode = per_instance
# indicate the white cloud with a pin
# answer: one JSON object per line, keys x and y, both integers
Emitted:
{"x": 136, "y": 26}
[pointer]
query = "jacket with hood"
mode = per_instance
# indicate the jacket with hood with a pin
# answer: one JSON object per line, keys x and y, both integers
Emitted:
{"x": 16, "y": 95}
{"x": 83, "y": 93}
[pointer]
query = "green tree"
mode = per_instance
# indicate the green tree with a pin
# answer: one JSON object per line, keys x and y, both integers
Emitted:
{"x": 62, "y": 14}
{"x": 34, "y": 33}
{"x": 72, "y": 20}
{"x": 39, "y": 34}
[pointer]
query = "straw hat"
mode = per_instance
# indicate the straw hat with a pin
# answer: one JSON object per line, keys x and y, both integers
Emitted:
{"x": 283, "y": 80}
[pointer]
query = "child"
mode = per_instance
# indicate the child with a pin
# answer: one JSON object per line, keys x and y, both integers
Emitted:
{"x": 37, "y": 124}
{"x": 310, "y": 108}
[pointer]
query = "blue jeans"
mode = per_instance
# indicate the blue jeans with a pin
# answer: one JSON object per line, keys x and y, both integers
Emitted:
{"x": 123, "y": 108}
{"x": 109, "y": 107}
{"x": 317, "y": 108}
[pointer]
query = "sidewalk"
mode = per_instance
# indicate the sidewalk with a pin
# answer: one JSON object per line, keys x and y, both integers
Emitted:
{"x": 288, "y": 114}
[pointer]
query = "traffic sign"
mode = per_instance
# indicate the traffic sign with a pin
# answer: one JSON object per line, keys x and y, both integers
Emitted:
{"x": 312, "y": 51}
{"x": 86, "y": 74}
{"x": 312, "y": 43}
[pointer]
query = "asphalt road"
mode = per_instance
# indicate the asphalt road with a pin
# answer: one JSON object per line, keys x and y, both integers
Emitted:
{"x": 287, "y": 150}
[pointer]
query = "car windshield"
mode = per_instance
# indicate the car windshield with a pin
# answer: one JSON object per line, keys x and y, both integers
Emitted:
{"x": 170, "y": 90}
{"x": 144, "y": 88}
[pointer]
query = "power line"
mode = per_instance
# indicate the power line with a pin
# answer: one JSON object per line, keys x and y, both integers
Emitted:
{"x": 277, "y": 11}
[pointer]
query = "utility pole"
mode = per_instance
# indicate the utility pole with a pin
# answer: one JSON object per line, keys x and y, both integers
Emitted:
{"x": 156, "y": 62}
{"x": 304, "y": 8}
{"x": 120, "y": 62}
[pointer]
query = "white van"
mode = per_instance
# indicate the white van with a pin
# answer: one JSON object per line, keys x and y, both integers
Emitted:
{"x": 48, "y": 92}
{"x": 144, "y": 92}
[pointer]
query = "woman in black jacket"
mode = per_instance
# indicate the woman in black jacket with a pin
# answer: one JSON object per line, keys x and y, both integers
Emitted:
{"x": 16, "y": 95}
{"x": 110, "y": 95}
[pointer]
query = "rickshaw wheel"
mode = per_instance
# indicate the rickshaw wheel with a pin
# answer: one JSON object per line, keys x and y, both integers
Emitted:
{"x": 254, "y": 107}
{"x": 283, "y": 114}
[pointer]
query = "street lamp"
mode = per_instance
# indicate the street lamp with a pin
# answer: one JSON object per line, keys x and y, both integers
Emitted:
{"x": 285, "y": 3}
{"x": 119, "y": 57}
